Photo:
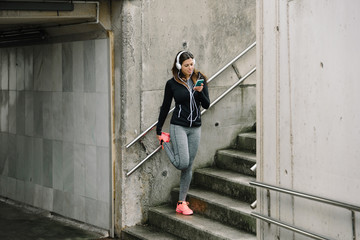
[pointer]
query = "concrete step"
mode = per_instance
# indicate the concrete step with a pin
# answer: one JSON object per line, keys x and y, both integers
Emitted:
{"x": 236, "y": 160}
{"x": 226, "y": 182}
{"x": 145, "y": 232}
{"x": 193, "y": 227}
{"x": 247, "y": 142}
{"x": 219, "y": 207}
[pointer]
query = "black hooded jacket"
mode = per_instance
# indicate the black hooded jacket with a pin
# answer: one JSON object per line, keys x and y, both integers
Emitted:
{"x": 187, "y": 111}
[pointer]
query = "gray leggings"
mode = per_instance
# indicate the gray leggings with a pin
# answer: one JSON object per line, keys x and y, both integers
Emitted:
{"x": 182, "y": 148}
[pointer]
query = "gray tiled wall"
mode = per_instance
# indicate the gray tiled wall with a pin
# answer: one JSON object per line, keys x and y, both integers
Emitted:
{"x": 54, "y": 128}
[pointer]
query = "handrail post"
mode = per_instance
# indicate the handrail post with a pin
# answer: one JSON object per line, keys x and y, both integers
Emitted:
{"x": 230, "y": 89}
{"x": 268, "y": 203}
{"x": 231, "y": 62}
{"x": 353, "y": 224}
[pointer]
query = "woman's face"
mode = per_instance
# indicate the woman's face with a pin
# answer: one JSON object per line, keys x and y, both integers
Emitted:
{"x": 187, "y": 67}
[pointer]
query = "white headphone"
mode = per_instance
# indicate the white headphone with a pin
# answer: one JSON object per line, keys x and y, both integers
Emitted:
{"x": 178, "y": 65}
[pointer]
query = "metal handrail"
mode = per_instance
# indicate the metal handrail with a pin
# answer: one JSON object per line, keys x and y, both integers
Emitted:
{"x": 347, "y": 206}
{"x": 209, "y": 80}
{"x": 202, "y": 112}
{"x": 230, "y": 89}
{"x": 144, "y": 160}
{"x": 289, "y": 227}
{"x": 307, "y": 196}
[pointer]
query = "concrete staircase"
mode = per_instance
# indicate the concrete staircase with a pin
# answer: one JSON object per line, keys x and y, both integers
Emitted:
{"x": 219, "y": 196}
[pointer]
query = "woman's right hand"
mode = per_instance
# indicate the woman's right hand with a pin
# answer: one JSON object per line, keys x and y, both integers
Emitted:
{"x": 159, "y": 137}
{"x": 199, "y": 88}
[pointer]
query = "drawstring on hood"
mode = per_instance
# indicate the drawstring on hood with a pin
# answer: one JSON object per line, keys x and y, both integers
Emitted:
{"x": 193, "y": 107}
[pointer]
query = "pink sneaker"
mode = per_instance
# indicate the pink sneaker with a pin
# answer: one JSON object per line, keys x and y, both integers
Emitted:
{"x": 182, "y": 207}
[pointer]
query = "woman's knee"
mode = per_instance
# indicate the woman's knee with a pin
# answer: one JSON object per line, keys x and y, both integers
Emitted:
{"x": 182, "y": 167}
{"x": 181, "y": 164}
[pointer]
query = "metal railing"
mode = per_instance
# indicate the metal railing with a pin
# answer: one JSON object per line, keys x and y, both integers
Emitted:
{"x": 202, "y": 112}
{"x": 289, "y": 227}
{"x": 347, "y": 206}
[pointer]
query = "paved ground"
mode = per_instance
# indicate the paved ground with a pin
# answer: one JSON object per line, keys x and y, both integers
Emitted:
{"x": 24, "y": 223}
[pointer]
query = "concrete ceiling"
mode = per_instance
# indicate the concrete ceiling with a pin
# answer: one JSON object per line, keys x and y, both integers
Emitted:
{"x": 87, "y": 17}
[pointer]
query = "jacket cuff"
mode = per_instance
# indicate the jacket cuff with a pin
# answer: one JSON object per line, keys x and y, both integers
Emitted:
{"x": 158, "y": 132}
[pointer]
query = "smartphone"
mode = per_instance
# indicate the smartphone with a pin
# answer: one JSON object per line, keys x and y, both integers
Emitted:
{"x": 199, "y": 82}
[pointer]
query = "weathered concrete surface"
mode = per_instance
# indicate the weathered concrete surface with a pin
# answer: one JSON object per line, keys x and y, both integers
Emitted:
{"x": 148, "y": 34}
{"x": 308, "y": 112}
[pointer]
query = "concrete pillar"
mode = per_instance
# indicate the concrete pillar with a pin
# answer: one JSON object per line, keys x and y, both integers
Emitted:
{"x": 307, "y": 113}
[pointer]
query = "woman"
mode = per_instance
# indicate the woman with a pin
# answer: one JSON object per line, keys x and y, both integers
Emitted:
{"x": 185, "y": 123}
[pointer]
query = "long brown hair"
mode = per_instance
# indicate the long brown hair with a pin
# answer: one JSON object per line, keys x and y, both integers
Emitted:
{"x": 176, "y": 72}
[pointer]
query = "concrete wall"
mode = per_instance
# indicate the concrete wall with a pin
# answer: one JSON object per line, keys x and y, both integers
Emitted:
{"x": 148, "y": 34}
{"x": 54, "y": 128}
{"x": 308, "y": 114}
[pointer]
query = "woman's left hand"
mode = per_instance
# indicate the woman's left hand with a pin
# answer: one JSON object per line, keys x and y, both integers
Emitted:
{"x": 199, "y": 88}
